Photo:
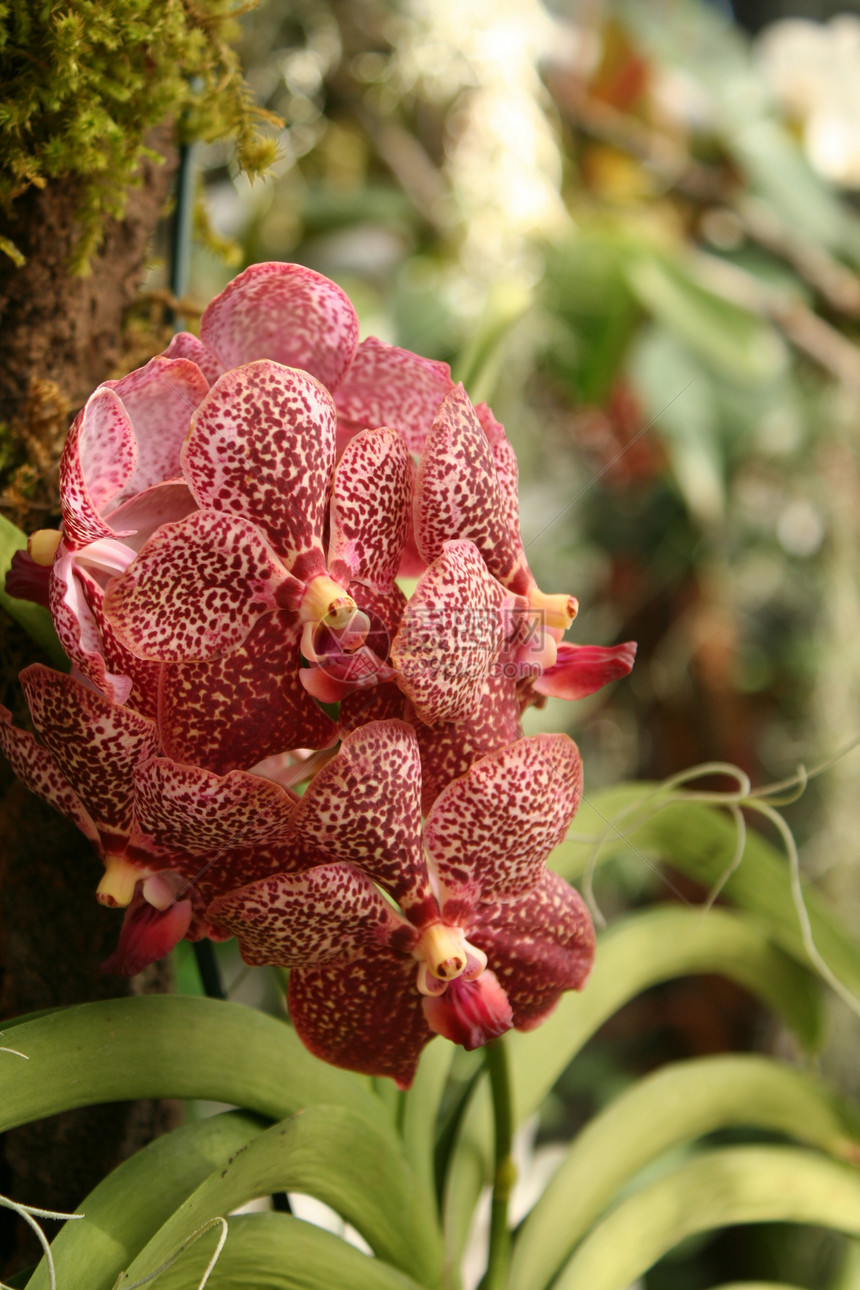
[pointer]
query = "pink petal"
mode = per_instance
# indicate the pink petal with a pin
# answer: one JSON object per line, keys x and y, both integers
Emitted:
{"x": 538, "y": 944}
{"x": 450, "y": 636}
{"x": 36, "y": 767}
{"x": 184, "y": 345}
{"x": 507, "y": 473}
{"x": 331, "y": 913}
{"x": 449, "y": 748}
{"x": 387, "y": 386}
{"x": 458, "y": 494}
{"x": 96, "y": 745}
{"x": 141, "y": 515}
{"x": 232, "y": 712}
{"x": 147, "y": 934}
{"x": 283, "y": 312}
{"x": 582, "y": 669}
{"x": 490, "y": 832}
{"x": 470, "y": 1013}
{"x": 196, "y": 589}
{"x": 90, "y": 642}
{"x": 364, "y": 808}
{"x": 365, "y": 1015}
{"x": 98, "y": 460}
{"x": 160, "y": 399}
{"x": 262, "y": 446}
{"x": 370, "y": 506}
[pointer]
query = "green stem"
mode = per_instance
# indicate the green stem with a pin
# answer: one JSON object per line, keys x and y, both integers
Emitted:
{"x": 498, "y": 1255}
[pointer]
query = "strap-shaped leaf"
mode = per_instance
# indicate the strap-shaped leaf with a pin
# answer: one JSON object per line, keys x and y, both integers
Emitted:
{"x": 637, "y": 952}
{"x": 678, "y": 1103}
{"x": 168, "y": 1046}
{"x": 335, "y": 1155}
{"x": 716, "y": 1189}
{"x": 278, "y": 1252}
{"x": 132, "y": 1203}
{"x": 700, "y": 840}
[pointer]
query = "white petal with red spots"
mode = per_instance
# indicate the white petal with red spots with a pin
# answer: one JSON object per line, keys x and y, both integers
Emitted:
{"x": 370, "y": 506}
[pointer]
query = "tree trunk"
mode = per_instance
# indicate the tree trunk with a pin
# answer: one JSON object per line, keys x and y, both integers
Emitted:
{"x": 61, "y": 333}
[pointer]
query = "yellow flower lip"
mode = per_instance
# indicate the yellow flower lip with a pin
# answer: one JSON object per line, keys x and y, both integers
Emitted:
{"x": 119, "y": 880}
{"x": 443, "y": 951}
{"x": 558, "y": 611}
{"x": 326, "y": 602}
{"x": 42, "y": 546}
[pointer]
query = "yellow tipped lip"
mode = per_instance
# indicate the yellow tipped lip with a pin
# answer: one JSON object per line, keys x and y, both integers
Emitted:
{"x": 119, "y": 880}
{"x": 42, "y": 546}
{"x": 325, "y": 601}
{"x": 558, "y": 610}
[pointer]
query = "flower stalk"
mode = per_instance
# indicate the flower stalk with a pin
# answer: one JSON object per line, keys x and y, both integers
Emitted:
{"x": 504, "y": 1173}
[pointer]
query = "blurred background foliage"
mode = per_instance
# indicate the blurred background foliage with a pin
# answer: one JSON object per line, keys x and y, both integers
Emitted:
{"x": 633, "y": 229}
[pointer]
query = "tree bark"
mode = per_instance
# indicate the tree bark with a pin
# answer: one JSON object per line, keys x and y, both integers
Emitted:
{"x": 63, "y": 332}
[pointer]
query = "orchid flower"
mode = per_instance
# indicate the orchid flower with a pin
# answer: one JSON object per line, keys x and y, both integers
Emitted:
{"x": 387, "y": 948}
{"x": 93, "y": 761}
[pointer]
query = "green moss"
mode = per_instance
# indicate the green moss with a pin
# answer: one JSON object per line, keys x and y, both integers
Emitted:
{"x": 84, "y": 82}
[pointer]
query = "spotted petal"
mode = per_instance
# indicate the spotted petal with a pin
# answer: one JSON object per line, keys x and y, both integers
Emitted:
{"x": 507, "y": 473}
{"x": 449, "y": 748}
{"x": 370, "y": 506}
{"x": 262, "y": 446}
{"x": 96, "y": 744}
{"x": 184, "y": 345}
{"x": 99, "y": 459}
{"x": 36, "y": 767}
{"x": 196, "y": 589}
{"x": 284, "y": 312}
{"x": 387, "y": 386}
{"x": 490, "y": 831}
{"x": 365, "y": 1015}
{"x": 451, "y": 635}
{"x": 72, "y": 592}
{"x": 159, "y": 399}
{"x": 364, "y": 808}
{"x": 231, "y": 712}
{"x": 457, "y": 491}
{"x": 538, "y": 944}
{"x": 327, "y": 914}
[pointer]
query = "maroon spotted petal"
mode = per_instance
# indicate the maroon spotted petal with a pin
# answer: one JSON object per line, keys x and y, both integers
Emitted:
{"x": 451, "y": 635}
{"x": 262, "y": 446}
{"x": 327, "y": 914}
{"x": 159, "y": 399}
{"x": 99, "y": 458}
{"x": 184, "y": 345}
{"x": 449, "y": 748}
{"x": 490, "y": 831}
{"x": 36, "y": 767}
{"x": 364, "y": 808}
{"x": 71, "y": 594}
{"x": 387, "y": 386}
{"x": 196, "y": 589}
{"x": 283, "y": 312}
{"x": 365, "y": 1015}
{"x": 193, "y": 809}
{"x": 457, "y": 490}
{"x": 538, "y": 944}
{"x": 507, "y": 473}
{"x": 96, "y": 744}
{"x": 370, "y": 505}
{"x": 232, "y": 712}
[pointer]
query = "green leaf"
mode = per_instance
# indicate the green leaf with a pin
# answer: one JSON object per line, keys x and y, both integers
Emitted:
{"x": 278, "y": 1252}
{"x": 717, "y": 1189}
{"x": 421, "y": 1108}
{"x": 671, "y": 1107}
{"x": 169, "y": 1046}
{"x": 731, "y": 341}
{"x": 699, "y": 840}
{"x": 35, "y": 619}
{"x": 334, "y": 1154}
{"x": 132, "y": 1203}
{"x": 638, "y": 951}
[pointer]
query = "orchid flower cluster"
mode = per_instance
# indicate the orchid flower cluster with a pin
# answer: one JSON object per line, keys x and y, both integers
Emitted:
{"x": 239, "y": 518}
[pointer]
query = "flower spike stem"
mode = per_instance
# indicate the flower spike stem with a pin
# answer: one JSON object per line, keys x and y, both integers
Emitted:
{"x": 498, "y": 1256}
